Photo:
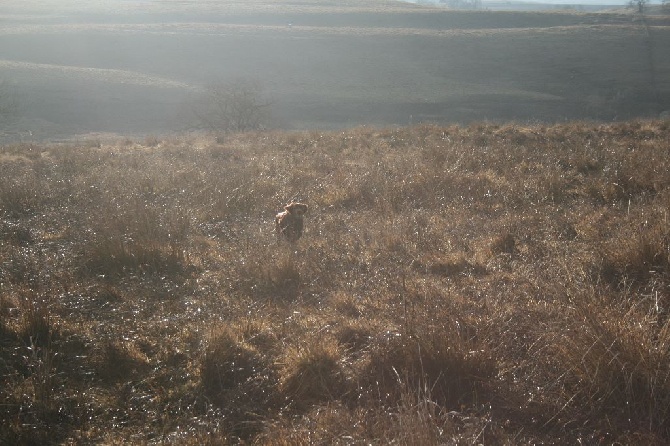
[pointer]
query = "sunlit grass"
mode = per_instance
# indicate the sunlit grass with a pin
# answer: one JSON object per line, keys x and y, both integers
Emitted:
{"x": 484, "y": 284}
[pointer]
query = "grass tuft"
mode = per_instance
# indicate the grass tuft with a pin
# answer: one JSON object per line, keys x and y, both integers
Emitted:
{"x": 313, "y": 372}
{"x": 615, "y": 359}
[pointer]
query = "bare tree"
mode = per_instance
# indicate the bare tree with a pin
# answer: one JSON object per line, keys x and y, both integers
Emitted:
{"x": 233, "y": 106}
{"x": 640, "y": 4}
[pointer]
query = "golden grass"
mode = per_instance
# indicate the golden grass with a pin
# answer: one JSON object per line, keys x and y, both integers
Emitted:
{"x": 494, "y": 284}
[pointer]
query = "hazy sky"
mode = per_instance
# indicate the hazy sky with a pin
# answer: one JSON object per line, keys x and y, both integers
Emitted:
{"x": 569, "y": 2}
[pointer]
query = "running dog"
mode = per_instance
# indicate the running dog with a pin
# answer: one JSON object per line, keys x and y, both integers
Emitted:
{"x": 290, "y": 222}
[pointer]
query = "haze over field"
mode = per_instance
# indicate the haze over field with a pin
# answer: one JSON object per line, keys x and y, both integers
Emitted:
{"x": 497, "y": 273}
{"x": 564, "y": 2}
{"x": 139, "y": 66}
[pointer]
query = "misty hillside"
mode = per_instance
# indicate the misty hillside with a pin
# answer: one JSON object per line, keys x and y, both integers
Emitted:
{"x": 142, "y": 66}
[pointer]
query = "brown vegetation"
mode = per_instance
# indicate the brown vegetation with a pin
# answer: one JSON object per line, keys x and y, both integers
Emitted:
{"x": 486, "y": 284}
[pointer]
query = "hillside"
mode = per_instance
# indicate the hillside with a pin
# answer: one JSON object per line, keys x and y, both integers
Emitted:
{"x": 139, "y": 67}
{"x": 483, "y": 284}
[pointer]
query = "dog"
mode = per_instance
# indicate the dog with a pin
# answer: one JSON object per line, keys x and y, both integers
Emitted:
{"x": 290, "y": 222}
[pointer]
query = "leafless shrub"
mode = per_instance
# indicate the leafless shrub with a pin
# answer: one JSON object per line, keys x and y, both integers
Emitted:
{"x": 238, "y": 105}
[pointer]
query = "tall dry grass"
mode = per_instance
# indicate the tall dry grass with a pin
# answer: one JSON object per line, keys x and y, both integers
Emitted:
{"x": 494, "y": 284}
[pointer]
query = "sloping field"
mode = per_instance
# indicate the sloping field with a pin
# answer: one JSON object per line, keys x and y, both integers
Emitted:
{"x": 327, "y": 65}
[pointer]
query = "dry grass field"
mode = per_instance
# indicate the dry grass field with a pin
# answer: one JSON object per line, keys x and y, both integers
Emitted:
{"x": 483, "y": 284}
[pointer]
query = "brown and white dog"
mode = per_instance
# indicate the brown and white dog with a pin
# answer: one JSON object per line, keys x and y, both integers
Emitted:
{"x": 289, "y": 223}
